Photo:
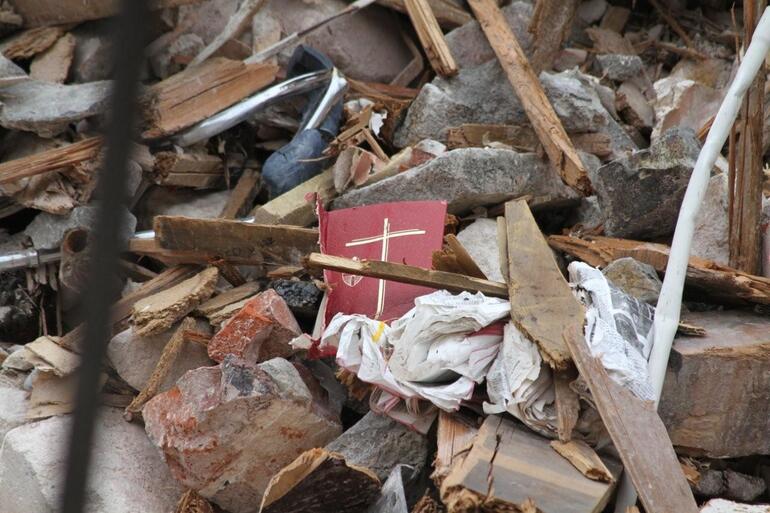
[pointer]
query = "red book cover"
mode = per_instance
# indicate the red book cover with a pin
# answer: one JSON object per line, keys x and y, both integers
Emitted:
{"x": 407, "y": 232}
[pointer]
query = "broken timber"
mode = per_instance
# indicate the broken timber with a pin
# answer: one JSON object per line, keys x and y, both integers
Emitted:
{"x": 447, "y": 13}
{"x": 407, "y": 274}
{"x": 235, "y": 241}
{"x": 541, "y": 300}
{"x": 546, "y": 123}
{"x": 584, "y": 458}
{"x": 188, "y": 169}
{"x": 50, "y": 160}
{"x": 551, "y": 24}
{"x": 431, "y": 37}
{"x": 638, "y": 434}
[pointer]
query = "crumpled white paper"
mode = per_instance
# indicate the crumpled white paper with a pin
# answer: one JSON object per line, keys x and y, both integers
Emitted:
{"x": 619, "y": 329}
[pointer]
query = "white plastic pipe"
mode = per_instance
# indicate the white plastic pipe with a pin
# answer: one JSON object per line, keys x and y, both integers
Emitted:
{"x": 670, "y": 302}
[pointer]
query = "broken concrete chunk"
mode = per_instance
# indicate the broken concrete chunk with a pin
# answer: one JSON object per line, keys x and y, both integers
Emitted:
{"x": 620, "y": 67}
{"x": 13, "y": 408}
{"x": 225, "y": 431}
{"x": 684, "y": 104}
{"x": 93, "y": 52}
{"x": 640, "y": 194}
{"x": 47, "y": 109}
{"x": 633, "y": 106}
{"x": 727, "y": 366}
{"x": 135, "y": 357}
{"x": 174, "y": 57}
{"x": 128, "y": 475}
{"x": 635, "y": 279}
{"x": 711, "y": 483}
{"x": 47, "y": 230}
{"x": 261, "y": 330}
{"x": 465, "y": 178}
{"x": 165, "y": 201}
{"x": 380, "y": 443}
{"x": 157, "y": 313}
{"x": 480, "y": 240}
{"x": 742, "y": 487}
{"x": 711, "y": 239}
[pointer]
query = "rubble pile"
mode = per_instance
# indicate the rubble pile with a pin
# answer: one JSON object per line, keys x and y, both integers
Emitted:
{"x": 403, "y": 256}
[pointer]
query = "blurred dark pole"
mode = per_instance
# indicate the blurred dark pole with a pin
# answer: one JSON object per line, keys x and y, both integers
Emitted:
{"x": 98, "y": 293}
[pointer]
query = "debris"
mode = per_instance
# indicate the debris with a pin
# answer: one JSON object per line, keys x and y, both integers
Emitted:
{"x": 53, "y": 65}
{"x": 683, "y": 104}
{"x": 158, "y": 312}
{"x": 633, "y": 106}
{"x": 393, "y": 497}
{"x": 551, "y": 25}
{"x": 13, "y": 409}
{"x": 725, "y": 506}
{"x": 742, "y": 487}
{"x": 431, "y": 37}
{"x": 711, "y": 236}
{"x": 634, "y": 278}
{"x": 584, "y": 459}
{"x": 249, "y": 422}
{"x": 620, "y": 67}
{"x": 47, "y": 230}
{"x": 319, "y": 481}
{"x": 188, "y": 169}
{"x": 480, "y": 241}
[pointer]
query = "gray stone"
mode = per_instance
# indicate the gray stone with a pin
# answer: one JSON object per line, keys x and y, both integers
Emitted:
{"x": 47, "y": 230}
{"x": 165, "y": 201}
{"x": 711, "y": 237}
{"x": 47, "y": 108}
{"x": 620, "y": 67}
{"x": 484, "y": 95}
{"x": 742, "y": 487}
{"x": 640, "y": 194}
{"x": 127, "y": 474}
{"x": 302, "y": 297}
{"x": 93, "y": 58}
{"x": 379, "y": 443}
{"x": 588, "y": 214}
{"x": 635, "y": 279}
{"x": 480, "y": 241}
{"x": 135, "y": 357}
{"x": 470, "y": 47}
{"x": 466, "y": 178}
{"x": 711, "y": 484}
{"x": 13, "y": 408}
{"x": 173, "y": 58}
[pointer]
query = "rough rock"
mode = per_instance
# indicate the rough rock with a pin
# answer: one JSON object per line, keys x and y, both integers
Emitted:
{"x": 635, "y": 279}
{"x": 711, "y": 236}
{"x": 93, "y": 52}
{"x": 135, "y": 357}
{"x": 47, "y": 108}
{"x": 225, "y": 431}
{"x": 620, "y": 67}
{"x": 47, "y": 230}
{"x": 470, "y": 47}
{"x": 480, "y": 240}
{"x": 13, "y": 408}
{"x": 711, "y": 484}
{"x": 53, "y": 65}
{"x": 165, "y": 201}
{"x": 302, "y": 297}
{"x": 127, "y": 474}
{"x": 175, "y": 56}
{"x": 465, "y": 178}
{"x": 742, "y": 487}
{"x": 684, "y": 104}
{"x": 588, "y": 215}
{"x": 728, "y": 366}
{"x": 633, "y": 106}
{"x": 19, "y": 314}
{"x": 208, "y": 18}
{"x": 380, "y": 443}
{"x": 640, "y": 194}
{"x": 483, "y": 95}
{"x": 341, "y": 40}
{"x": 261, "y": 330}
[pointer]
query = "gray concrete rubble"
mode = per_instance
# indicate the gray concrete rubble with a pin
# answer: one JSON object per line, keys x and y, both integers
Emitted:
{"x": 635, "y": 279}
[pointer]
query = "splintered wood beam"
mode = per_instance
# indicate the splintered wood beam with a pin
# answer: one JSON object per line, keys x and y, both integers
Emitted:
{"x": 541, "y": 300}
{"x": 637, "y": 433}
{"x": 197, "y": 93}
{"x": 746, "y": 196}
{"x": 236, "y": 241}
{"x": 551, "y": 24}
{"x": 718, "y": 282}
{"x": 430, "y": 36}
{"x": 188, "y": 169}
{"x": 539, "y": 110}
{"x": 243, "y": 195}
{"x": 50, "y": 160}
{"x": 407, "y": 274}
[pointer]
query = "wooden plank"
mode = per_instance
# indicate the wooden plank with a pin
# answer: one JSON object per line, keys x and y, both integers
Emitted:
{"x": 447, "y": 13}
{"x": 637, "y": 433}
{"x": 718, "y": 282}
{"x": 235, "y": 241}
{"x": 668, "y": 18}
{"x": 188, "y": 169}
{"x": 227, "y": 297}
{"x": 197, "y": 93}
{"x": 509, "y": 465}
{"x": 29, "y": 43}
{"x": 430, "y": 36}
{"x": 407, "y": 274}
{"x": 541, "y": 300}
{"x": 38, "y": 13}
{"x": 546, "y": 123}
{"x": 292, "y": 207}
{"x": 567, "y": 404}
{"x": 50, "y": 160}
{"x": 584, "y": 458}
{"x": 550, "y": 26}
{"x": 454, "y": 438}
{"x": 242, "y": 196}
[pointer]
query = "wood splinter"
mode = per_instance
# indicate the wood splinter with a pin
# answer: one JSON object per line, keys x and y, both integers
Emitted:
{"x": 431, "y": 37}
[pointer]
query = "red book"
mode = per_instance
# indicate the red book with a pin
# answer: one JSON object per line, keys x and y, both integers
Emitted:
{"x": 407, "y": 232}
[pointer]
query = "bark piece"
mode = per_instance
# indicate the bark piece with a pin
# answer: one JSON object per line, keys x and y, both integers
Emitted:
{"x": 407, "y": 274}
{"x": 50, "y": 160}
{"x": 319, "y": 481}
{"x": 53, "y": 65}
{"x": 29, "y": 43}
{"x": 585, "y": 459}
{"x": 551, "y": 24}
{"x": 638, "y": 434}
{"x": 431, "y": 37}
{"x": 546, "y": 123}
{"x": 541, "y": 300}
{"x": 261, "y": 330}
{"x": 235, "y": 241}
{"x": 160, "y": 311}
{"x": 197, "y": 93}
{"x": 508, "y": 466}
